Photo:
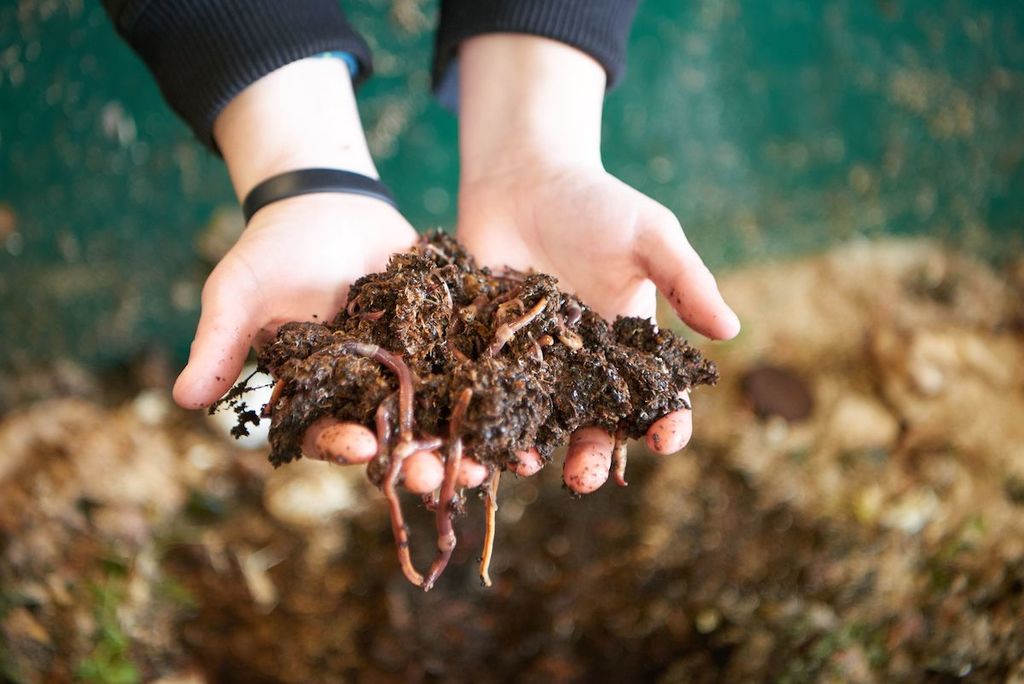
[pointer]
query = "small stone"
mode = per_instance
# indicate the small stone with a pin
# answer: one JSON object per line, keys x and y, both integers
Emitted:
{"x": 707, "y": 620}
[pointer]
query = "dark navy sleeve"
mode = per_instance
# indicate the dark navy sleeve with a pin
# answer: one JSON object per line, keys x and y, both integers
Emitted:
{"x": 598, "y": 27}
{"x": 203, "y": 53}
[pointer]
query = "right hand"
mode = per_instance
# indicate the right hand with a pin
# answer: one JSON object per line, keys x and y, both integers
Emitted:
{"x": 534, "y": 194}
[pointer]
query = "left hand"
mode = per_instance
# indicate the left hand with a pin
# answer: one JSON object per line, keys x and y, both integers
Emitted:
{"x": 534, "y": 194}
{"x": 609, "y": 244}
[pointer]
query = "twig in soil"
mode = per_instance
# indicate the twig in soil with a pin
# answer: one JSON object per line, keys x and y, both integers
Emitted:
{"x": 491, "y": 502}
{"x": 619, "y": 453}
{"x": 445, "y": 533}
{"x": 508, "y": 330}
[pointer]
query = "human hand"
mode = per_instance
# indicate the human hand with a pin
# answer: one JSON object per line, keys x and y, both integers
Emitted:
{"x": 294, "y": 262}
{"x": 297, "y": 257}
{"x": 534, "y": 194}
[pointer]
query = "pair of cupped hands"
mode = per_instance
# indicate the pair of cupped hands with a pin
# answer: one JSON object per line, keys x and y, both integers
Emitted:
{"x": 528, "y": 200}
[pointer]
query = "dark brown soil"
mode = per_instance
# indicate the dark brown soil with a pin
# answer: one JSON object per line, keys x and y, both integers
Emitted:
{"x": 566, "y": 367}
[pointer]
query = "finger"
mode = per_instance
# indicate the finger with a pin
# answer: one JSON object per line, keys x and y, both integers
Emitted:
{"x": 472, "y": 473}
{"x": 671, "y": 432}
{"x": 330, "y": 439}
{"x": 588, "y": 460}
{"x": 527, "y": 463}
{"x": 676, "y": 269}
{"x": 423, "y": 472}
{"x": 227, "y": 325}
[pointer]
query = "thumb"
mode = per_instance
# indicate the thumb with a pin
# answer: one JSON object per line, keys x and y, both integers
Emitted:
{"x": 228, "y": 324}
{"x": 681, "y": 276}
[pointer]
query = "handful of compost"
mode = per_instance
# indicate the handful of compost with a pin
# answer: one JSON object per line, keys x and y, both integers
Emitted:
{"x": 436, "y": 358}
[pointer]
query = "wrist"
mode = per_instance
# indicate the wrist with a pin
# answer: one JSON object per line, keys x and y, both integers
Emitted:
{"x": 302, "y": 115}
{"x": 526, "y": 100}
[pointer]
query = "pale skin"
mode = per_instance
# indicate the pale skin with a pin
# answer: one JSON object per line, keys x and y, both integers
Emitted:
{"x": 533, "y": 194}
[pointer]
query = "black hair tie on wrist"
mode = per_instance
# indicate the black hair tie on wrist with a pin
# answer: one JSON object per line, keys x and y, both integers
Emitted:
{"x": 307, "y": 181}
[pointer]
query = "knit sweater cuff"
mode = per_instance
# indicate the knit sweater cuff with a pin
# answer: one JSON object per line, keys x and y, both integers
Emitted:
{"x": 598, "y": 27}
{"x": 204, "y": 53}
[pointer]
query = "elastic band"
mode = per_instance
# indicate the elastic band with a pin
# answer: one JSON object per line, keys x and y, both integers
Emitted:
{"x": 308, "y": 181}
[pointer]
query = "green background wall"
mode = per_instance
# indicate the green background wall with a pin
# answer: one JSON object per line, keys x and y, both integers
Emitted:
{"x": 769, "y": 127}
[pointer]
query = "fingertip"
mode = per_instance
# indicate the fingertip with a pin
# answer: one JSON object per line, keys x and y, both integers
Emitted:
{"x": 588, "y": 460}
{"x": 228, "y": 324}
{"x": 681, "y": 276}
{"x": 729, "y": 326}
{"x": 527, "y": 463}
{"x": 591, "y": 436}
{"x": 472, "y": 473}
{"x": 670, "y": 433}
{"x": 198, "y": 388}
{"x": 423, "y": 472}
{"x": 329, "y": 439}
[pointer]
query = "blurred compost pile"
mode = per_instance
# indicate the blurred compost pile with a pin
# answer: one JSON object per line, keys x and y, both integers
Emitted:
{"x": 851, "y": 509}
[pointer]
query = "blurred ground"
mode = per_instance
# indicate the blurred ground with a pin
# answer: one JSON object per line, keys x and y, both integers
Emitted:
{"x": 874, "y": 535}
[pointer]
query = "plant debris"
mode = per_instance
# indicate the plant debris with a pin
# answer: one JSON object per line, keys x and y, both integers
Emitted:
{"x": 496, "y": 363}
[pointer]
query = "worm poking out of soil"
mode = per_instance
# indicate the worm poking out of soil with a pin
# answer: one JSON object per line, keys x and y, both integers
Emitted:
{"x": 438, "y": 355}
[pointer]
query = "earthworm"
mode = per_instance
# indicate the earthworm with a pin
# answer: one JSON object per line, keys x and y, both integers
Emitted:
{"x": 445, "y": 533}
{"x": 398, "y": 526}
{"x": 507, "y": 330}
{"x": 352, "y": 304}
{"x": 371, "y": 315}
{"x": 491, "y": 502}
{"x": 619, "y": 454}
{"x": 401, "y": 371}
{"x": 275, "y": 394}
{"x": 406, "y": 445}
